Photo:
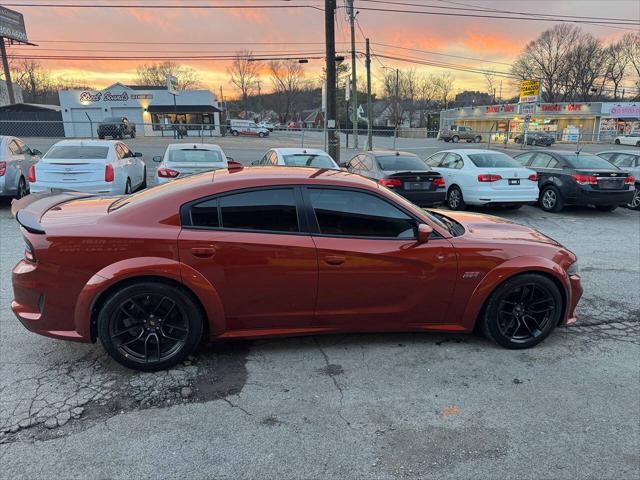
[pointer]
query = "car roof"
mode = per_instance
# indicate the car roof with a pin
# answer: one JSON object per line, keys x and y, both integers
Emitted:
{"x": 199, "y": 146}
{"x": 87, "y": 142}
{"x": 469, "y": 150}
{"x": 313, "y": 151}
{"x": 626, "y": 152}
{"x": 378, "y": 153}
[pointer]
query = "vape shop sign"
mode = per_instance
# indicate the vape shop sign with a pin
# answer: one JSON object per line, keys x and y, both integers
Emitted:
{"x": 92, "y": 97}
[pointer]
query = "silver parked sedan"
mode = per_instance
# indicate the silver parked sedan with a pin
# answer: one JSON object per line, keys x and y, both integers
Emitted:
{"x": 182, "y": 159}
{"x": 629, "y": 161}
{"x": 15, "y": 160}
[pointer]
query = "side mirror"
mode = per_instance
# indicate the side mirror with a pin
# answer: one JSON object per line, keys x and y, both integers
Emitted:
{"x": 230, "y": 159}
{"x": 157, "y": 158}
{"x": 35, "y": 151}
{"x": 424, "y": 232}
{"x": 137, "y": 154}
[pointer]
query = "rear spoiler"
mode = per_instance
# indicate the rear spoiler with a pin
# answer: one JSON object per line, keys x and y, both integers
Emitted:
{"x": 29, "y": 210}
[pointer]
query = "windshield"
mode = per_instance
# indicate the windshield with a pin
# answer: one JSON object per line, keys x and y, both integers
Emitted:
{"x": 309, "y": 160}
{"x": 112, "y": 120}
{"x": 584, "y": 160}
{"x": 493, "y": 160}
{"x": 78, "y": 152}
{"x": 400, "y": 162}
{"x": 195, "y": 155}
{"x": 625, "y": 160}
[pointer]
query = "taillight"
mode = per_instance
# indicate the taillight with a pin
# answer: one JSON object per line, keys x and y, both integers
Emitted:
{"x": 627, "y": 181}
{"x": 439, "y": 182}
{"x": 390, "y": 182}
{"x": 32, "y": 174}
{"x": 3, "y": 168}
{"x": 585, "y": 179}
{"x": 108, "y": 173}
{"x": 533, "y": 177}
{"x": 489, "y": 177}
{"x": 29, "y": 252}
{"x": 167, "y": 173}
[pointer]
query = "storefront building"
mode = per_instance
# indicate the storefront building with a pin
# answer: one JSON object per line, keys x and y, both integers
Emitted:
{"x": 152, "y": 109}
{"x": 590, "y": 121}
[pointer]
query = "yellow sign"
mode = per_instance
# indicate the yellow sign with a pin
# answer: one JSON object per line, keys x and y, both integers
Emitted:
{"x": 529, "y": 90}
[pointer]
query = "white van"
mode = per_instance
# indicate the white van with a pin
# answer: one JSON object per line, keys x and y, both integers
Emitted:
{"x": 247, "y": 127}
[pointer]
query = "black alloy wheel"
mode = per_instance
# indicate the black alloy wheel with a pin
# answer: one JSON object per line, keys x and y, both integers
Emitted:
{"x": 523, "y": 311}
{"x": 149, "y": 326}
{"x": 22, "y": 188}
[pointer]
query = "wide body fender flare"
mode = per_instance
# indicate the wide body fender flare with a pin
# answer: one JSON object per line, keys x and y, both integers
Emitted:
{"x": 149, "y": 267}
{"x": 506, "y": 270}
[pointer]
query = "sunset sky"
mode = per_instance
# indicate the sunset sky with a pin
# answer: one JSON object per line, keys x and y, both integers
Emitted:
{"x": 483, "y": 40}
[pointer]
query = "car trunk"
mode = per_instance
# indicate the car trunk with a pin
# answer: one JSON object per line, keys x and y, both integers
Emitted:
{"x": 71, "y": 170}
{"x": 607, "y": 179}
{"x": 189, "y": 168}
{"x": 513, "y": 178}
{"x": 414, "y": 181}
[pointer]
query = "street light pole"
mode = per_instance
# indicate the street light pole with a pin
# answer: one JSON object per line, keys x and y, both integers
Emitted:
{"x": 330, "y": 41}
{"x": 354, "y": 86}
{"x": 369, "y": 104}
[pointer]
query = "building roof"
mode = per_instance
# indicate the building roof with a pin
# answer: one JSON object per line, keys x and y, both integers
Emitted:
{"x": 29, "y": 107}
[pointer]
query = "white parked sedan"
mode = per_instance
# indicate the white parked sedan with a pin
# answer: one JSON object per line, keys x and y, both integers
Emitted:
{"x": 182, "y": 159}
{"x": 483, "y": 177}
{"x": 15, "y": 159}
{"x": 92, "y": 166}
{"x": 298, "y": 157}
{"x": 629, "y": 139}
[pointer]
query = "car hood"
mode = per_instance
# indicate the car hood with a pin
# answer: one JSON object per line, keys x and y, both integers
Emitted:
{"x": 488, "y": 227}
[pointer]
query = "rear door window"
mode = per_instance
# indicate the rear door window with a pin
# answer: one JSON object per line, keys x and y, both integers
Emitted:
{"x": 272, "y": 210}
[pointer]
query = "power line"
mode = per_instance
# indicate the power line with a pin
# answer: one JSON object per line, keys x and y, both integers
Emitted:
{"x": 441, "y": 54}
{"x": 167, "y": 7}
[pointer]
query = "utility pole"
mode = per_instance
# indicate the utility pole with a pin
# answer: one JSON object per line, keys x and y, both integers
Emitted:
{"x": 330, "y": 41}
{"x": 354, "y": 86}
{"x": 369, "y": 104}
{"x": 259, "y": 100}
{"x": 7, "y": 73}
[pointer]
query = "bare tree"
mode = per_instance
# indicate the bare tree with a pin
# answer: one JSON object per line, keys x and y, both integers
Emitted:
{"x": 548, "y": 59}
{"x": 586, "y": 64}
{"x": 631, "y": 42}
{"x": 287, "y": 78}
{"x": 617, "y": 60}
{"x": 444, "y": 86}
{"x": 244, "y": 73}
{"x": 491, "y": 82}
{"x": 155, "y": 74}
{"x": 33, "y": 79}
{"x": 410, "y": 85}
{"x": 427, "y": 92}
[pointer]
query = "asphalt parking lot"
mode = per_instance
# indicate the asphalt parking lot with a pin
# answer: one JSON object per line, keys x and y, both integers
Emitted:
{"x": 344, "y": 406}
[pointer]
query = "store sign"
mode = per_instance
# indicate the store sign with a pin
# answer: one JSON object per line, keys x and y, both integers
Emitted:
{"x": 529, "y": 90}
{"x": 563, "y": 108}
{"x": 527, "y": 108}
{"x": 92, "y": 97}
{"x": 141, "y": 96}
{"x": 625, "y": 111}
{"x": 501, "y": 108}
{"x": 12, "y": 25}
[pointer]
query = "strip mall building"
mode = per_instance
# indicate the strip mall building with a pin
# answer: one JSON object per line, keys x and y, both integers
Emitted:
{"x": 595, "y": 121}
{"x": 152, "y": 109}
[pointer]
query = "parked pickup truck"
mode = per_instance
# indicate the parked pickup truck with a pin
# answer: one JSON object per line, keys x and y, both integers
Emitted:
{"x": 455, "y": 133}
{"x": 116, "y": 127}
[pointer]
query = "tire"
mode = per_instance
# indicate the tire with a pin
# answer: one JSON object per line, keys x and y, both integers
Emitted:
{"x": 522, "y": 311}
{"x": 477, "y": 139}
{"x": 517, "y": 140}
{"x": 133, "y": 134}
{"x": 127, "y": 187}
{"x": 550, "y": 199}
{"x": 146, "y": 316}
{"x": 143, "y": 185}
{"x": 101, "y": 137}
{"x": 23, "y": 190}
{"x": 455, "y": 139}
{"x": 235, "y": 133}
{"x": 533, "y": 143}
{"x": 638, "y": 144}
{"x": 455, "y": 200}
{"x": 635, "y": 201}
{"x": 606, "y": 208}
{"x": 261, "y": 134}
{"x": 617, "y": 141}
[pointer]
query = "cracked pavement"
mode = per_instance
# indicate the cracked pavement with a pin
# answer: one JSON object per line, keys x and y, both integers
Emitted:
{"x": 357, "y": 406}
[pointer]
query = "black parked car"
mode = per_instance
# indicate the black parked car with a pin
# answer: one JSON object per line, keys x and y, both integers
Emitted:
{"x": 536, "y": 138}
{"x": 402, "y": 172}
{"x": 116, "y": 127}
{"x": 566, "y": 178}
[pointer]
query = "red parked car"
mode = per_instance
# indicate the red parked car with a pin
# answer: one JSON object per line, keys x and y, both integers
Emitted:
{"x": 260, "y": 252}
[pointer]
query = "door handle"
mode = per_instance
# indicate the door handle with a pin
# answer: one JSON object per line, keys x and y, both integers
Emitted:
{"x": 203, "y": 252}
{"x": 335, "y": 259}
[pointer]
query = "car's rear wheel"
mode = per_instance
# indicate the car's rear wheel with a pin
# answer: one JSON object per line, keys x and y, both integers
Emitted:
{"x": 133, "y": 134}
{"x": 455, "y": 200}
{"x": 617, "y": 141}
{"x": 22, "y": 188}
{"x": 550, "y": 199}
{"x": 127, "y": 187}
{"x": 477, "y": 139}
{"x": 143, "y": 185}
{"x": 261, "y": 134}
{"x": 522, "y": 311}
{"x": 150, "y": 325}
{"x": 635, "y": 201}
{"x": 235, "y": 133}
{"x": 534, "y": 143}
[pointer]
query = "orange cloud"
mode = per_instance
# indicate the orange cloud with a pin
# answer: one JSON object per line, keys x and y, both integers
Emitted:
{"x": 495, "y": 43}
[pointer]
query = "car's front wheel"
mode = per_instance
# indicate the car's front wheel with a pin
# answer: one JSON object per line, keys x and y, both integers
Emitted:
{"x": 617, "y": 141}
{"x": 150, "y": 325}
{"x": 455, "y": 200}
{"x": 635, "y": 201}
{"x": 522, "y": 311}
{"x": 455, "y": 139}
